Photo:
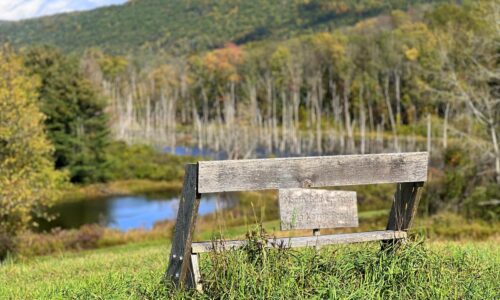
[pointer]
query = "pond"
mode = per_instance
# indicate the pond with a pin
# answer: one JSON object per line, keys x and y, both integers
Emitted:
{"x": 126, "y": 212}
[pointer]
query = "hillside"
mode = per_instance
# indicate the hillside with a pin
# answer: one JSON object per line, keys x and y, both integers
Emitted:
{"x": 184, "y": 26}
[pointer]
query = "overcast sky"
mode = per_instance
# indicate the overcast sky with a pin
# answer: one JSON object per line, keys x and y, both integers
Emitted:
{"x": 23, "y": 9}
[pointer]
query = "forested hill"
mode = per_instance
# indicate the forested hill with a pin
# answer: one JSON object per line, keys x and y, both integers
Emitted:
{"x": 190, "y": 25}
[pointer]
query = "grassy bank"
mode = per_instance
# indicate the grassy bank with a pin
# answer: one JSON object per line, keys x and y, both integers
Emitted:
{"x": 119, "y": 188}
{"x": 230, "y": 224}
{"x": 134, "y": 271}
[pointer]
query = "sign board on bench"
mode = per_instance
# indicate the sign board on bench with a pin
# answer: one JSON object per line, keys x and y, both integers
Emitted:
{"x": 316, "y": 209}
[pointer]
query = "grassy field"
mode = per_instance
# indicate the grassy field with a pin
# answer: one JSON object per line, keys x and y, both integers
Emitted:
{"x": 419, "y": 270}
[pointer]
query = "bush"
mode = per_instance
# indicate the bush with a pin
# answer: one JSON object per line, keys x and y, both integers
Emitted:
{"x": 28, "y": 182}
{"x": 93, "y": 236}
{"x": 7, "y": 245}
{"x": 455, "y": 227}
{"x": 458, "y": 188}
{"x": 87, "y": 237}
{"x": 143, "y": 162}
{"x": 484, "y": 203}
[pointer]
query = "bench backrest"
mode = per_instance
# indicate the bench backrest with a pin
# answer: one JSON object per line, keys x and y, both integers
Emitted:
{"x": 279, "y": 173}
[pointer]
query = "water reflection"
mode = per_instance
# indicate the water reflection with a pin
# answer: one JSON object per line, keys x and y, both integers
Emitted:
{"x": 127, "y": 212}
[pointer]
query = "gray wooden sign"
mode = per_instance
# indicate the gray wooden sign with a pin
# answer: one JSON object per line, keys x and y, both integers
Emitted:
{"x": 315, "y": 209}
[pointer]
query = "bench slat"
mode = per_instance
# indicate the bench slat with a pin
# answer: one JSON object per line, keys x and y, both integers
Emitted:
{"x": 298, "y": 172}
{"x": 296, "y": 242}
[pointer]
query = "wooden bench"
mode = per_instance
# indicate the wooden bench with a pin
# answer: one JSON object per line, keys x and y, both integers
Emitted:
{"x": 294, "y": 177}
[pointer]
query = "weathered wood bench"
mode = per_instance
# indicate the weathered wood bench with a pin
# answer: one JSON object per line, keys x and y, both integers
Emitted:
{"x": 300, "y": 206}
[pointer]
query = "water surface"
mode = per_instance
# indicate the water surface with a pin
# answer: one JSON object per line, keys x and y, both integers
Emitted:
{"x": 126, "y": 212}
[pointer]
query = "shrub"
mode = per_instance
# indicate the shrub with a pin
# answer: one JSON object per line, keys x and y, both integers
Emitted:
{"x": 143, "y": 162}
{"x": 28, "y": 181}
{"x": 7, "y": 245}
{"x": 31, "y": 244}
{"x": 483, "y": 203}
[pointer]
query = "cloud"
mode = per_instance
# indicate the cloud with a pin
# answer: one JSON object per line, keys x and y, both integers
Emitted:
{"x": 23, "y": 9}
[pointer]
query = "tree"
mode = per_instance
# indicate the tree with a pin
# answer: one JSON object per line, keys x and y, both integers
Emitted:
{"x": 469, "y": 46}
{"x": 28, "y": 181}
{"x": 76, "y": 122}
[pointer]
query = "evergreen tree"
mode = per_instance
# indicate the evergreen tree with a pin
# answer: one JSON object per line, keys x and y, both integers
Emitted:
{"x": 76, "y": 121}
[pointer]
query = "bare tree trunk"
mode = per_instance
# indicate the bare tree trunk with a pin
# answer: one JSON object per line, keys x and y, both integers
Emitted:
{"x": 275, "y": 123}
{"x": 445, "y": 126}
{"x": 397, "y": 83}
{"x": 371, "y": 120}
{"x": 496, "y": 149}
{"x": 335, "y": 103}
{"x": 429, "y": 134}
{"x": 252, "y": 91}
{"x": 347, "y": 117}
{"x": 362, "y": 117}
{"x": 148, "y": 118}
{"x": 296, "y": 121}
{"x": 284, "y": 123}
{"x": 391, "y": 114}
{"x": 318, "y": 104}
{"x": 205, "y": 105}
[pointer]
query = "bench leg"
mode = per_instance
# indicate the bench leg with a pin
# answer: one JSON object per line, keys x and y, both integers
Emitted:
{"x": 195, "y": 274}
{"x": 317, "y": 232}
{"x": 180, "y": 254}
{"x": 404, "y": 208}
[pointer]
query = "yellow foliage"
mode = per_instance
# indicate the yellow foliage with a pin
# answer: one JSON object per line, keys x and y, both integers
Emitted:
{"x": 28, "y": 181}
{"x": 411, "y": 54}
{"x": 332, "y": 45}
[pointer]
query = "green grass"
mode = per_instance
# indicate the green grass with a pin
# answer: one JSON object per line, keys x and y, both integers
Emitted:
{"x": 134, "y": 271}
{"x": 112, "y": 273}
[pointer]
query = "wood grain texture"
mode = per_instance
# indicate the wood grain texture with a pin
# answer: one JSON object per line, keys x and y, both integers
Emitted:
{"x": 404, "y": 206}
{"x": 316, "y": 209}
{"x": 184, "y": 227}
{"x": 298, "y": 172}
{"x": 195, "y": 273}
{"x": 297, "y": 242}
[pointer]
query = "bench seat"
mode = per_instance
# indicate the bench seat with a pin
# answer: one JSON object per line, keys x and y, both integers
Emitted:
{"x": 296, "y": 242}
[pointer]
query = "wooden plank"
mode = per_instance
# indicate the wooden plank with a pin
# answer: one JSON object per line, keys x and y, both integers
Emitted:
{"x": 316, "y": 209}
{"x": 296, "y": 242}
{"x": 316, "y": 232}
{"x": 184, "y": 227}
{"x": 403, "y": 210}
{"x": 259, "y": 174}
{"x": 404, "y": 206}
{"x": 195, "y": 272}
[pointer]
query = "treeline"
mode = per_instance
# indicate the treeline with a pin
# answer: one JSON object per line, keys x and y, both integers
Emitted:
{"x": 180, "y": 26}
{"x": 408, "y": 81}
{"x": 402, "y": 82}
{"x": 76, "y": 122}
{"x": 54, "y": 129}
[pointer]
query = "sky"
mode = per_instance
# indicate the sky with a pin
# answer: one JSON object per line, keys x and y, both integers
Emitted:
{"x": 22, "y": 9}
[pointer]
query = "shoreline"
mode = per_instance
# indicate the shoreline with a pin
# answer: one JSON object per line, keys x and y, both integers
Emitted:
{"x": 98, "y": 191}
